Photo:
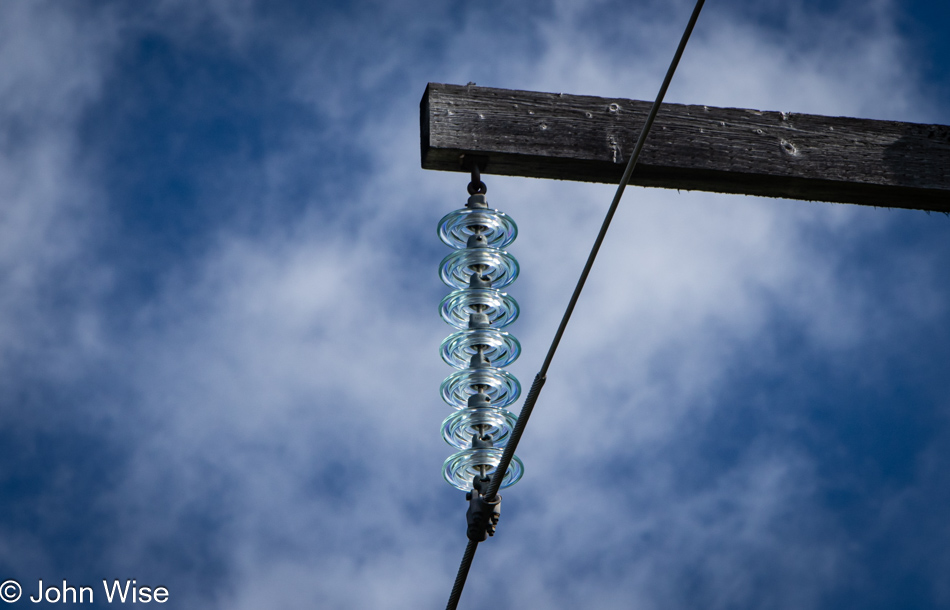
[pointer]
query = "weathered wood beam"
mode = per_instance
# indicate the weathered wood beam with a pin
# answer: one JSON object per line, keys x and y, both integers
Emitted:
{"x": 726, "y": 150}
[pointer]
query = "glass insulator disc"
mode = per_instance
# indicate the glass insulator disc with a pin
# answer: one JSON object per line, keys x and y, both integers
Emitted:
{"x": 502, "y": 387}
{"x": 460, "y": 469}
{"x": 458, "y": 428}
{"x": 458, "y": 267}
{"x": 499, "y": 347}
{"x": 458, "y": 305}
{"x": 456, "y": 227}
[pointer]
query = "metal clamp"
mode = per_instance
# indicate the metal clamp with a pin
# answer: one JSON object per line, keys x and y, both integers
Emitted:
{"x": 482, "y": 515}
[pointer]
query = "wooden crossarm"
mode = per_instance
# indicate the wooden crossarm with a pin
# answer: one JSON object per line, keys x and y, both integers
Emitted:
{"x": 726, "y": 150}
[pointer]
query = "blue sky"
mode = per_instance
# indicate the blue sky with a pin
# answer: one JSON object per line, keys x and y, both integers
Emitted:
{"x": 219, "y": 335}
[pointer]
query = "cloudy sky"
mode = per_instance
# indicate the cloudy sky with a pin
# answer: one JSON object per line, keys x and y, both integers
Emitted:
{"x": 219, "y": 335}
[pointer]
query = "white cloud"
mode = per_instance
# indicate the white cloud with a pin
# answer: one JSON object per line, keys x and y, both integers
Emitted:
{"x": 53, "y": 65}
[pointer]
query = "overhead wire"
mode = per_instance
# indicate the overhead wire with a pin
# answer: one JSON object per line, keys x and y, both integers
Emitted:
{"x": 541, "y": 377}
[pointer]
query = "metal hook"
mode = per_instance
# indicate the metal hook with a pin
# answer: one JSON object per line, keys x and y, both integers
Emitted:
{"x": 475, "y": 164}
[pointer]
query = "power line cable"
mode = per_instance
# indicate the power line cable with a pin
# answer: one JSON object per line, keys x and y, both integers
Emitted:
{"x": 541, "y": 377}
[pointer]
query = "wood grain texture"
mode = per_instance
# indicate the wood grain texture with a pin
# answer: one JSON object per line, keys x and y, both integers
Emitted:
{"x": 726, "y": 150}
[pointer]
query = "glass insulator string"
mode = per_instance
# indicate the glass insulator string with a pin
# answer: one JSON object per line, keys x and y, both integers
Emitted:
{"x": 479, "y": 390}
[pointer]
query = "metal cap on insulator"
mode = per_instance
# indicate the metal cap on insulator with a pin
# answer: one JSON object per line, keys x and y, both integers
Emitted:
{"x": 477, "y": 280}
{"x": 478, "y": 201}
{"x": 478, "y": 320}
{"x": 479, "y": 360}
{"x": 476, "y": 241}
{"x": 485, "y": 441}
{"x": 479, "y": 401}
